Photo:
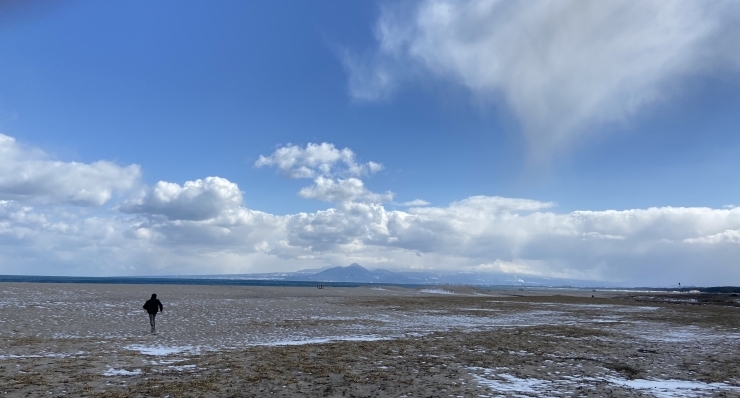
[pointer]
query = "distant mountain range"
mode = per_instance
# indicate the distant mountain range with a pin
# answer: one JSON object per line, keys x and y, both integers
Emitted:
{"x": 358, "y": 274}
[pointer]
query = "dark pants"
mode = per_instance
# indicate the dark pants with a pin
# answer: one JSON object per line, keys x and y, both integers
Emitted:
{"x": 151, "y": 319}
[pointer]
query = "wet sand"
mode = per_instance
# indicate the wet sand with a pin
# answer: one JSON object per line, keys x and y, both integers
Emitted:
{"x": 214, "y": 341}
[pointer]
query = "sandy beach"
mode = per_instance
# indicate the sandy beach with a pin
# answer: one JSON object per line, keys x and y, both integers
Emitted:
{"x": 215, "y": 341}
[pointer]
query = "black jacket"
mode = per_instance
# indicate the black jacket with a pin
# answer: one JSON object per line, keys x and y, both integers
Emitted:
{"x": 153, "y": 305}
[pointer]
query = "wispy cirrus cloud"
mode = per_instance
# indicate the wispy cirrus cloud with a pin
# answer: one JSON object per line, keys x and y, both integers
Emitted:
{"x": 564, "y": 68}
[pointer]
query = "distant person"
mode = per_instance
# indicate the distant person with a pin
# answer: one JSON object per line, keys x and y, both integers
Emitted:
{"x": 152, "y": 306}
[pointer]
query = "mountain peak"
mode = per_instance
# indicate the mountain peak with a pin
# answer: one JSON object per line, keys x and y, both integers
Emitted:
{"x": 351, "y": 273}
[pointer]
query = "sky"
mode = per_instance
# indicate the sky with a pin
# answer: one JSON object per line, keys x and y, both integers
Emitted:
{"x": 586, "y": 140}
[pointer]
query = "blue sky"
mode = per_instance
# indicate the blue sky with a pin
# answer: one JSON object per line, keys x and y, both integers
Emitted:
{"x": 579, "y": 107}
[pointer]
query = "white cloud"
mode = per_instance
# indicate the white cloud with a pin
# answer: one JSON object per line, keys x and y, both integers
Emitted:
{"x": 488, "y": 234}
{"x": 63, "y": 240}
{"x": 342, "y": 190}
{"x": 326, "y": 165}
{"x": 414, "y": 203}
{"x": 729, "y": 236}
{"x": 239, "y": 230}
{"x": 333, "y": 228}
{"x": 30, "y": 175}
{"x": 562, "y": 67}
{"x": 195, "y": 200}
{"x": 317, "y": 160}
{"x": 516, "y": 236}
{"x": 201, "y": 227}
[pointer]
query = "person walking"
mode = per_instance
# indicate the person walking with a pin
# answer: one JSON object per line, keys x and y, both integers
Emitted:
{"x": 152, "y": 306}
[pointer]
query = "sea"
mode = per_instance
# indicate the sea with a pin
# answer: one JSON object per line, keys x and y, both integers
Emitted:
{"x": 235, "y": 281}
{"x": 216, "y": 280}
{"x": 143, "y": 280}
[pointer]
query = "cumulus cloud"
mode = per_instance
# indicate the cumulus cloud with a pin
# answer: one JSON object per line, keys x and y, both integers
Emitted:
{"x": 171, "y": 230}
{"x": 195, "y": 200}
{"x": 30, "y": 175}
{"x": 729, "y": 236}
{"x": 202, "y": 226}
{"x": 72, "y": 241}
{"x": 521, "y": 236}
{"x": 63, "y": 240}
{"x": 239, "y": 230}
{"x": 326, "y": 165}
{"x": 562, "y": 67}
{"x": 342, "y": 190}
{"x": 317, "y": 160}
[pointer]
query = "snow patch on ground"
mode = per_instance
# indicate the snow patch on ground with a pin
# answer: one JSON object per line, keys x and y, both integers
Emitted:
{"x": 436, "y": 291}
{"x": 161, "y": 350}
{"x": 678, "y": 335}
{"x": 182, "y": 368}
{"x": 523, "y": 387}
{"x": 322, "y": 340}
{"x": 506, "y": 383}
{"x": 121, "y": 372}
{"x": 674, "y": 388}
{"x": 42, "y": 355}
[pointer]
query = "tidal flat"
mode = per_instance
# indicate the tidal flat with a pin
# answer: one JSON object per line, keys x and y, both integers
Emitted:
{"x": 93, "y": 340}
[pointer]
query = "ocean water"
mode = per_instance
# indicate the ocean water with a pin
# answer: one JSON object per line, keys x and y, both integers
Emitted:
{"x": 129, "y": 280}
{"x": 226, "y": 281}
